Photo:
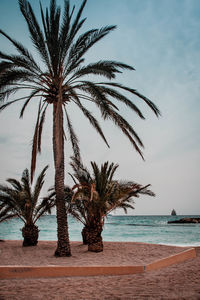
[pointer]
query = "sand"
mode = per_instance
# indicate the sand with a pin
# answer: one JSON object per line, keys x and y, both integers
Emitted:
{"x": 179, "y": 281}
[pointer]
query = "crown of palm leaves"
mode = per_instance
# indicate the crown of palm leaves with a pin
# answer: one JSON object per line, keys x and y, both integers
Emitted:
{"x": 61, "y": 76}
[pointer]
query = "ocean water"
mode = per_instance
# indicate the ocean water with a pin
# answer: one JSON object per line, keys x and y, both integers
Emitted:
{"x": 148, "y": 229}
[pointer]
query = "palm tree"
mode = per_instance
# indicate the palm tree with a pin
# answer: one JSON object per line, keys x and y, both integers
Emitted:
{"x": 59, "y": 80}
{"x": 97, "y": 195}
{"x": 20, "y": 201}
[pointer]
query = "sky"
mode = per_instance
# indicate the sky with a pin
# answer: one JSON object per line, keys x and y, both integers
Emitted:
{"x": 161, "y": 40}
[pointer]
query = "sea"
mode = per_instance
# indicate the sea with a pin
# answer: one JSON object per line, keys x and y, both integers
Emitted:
{"x": 147, "y": 229}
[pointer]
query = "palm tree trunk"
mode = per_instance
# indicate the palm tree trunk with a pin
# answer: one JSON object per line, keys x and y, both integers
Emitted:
{"x": 85, "y": 235}
{"x": 95, "y": 243}
{"x": 30, "y": 234}
{"x": 63, "y": 244}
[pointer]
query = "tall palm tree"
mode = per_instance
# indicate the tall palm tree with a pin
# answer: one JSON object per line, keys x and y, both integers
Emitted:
{"x": 97, "y": 195}
{"x": 21, "y": 201}
{"x": 60, "y": 80}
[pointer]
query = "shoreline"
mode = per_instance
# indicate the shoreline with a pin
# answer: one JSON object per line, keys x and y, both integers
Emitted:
{"x": 106, "y": 241}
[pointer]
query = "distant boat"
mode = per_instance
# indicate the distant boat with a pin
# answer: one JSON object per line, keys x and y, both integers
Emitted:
{"x": 173, "y": 213}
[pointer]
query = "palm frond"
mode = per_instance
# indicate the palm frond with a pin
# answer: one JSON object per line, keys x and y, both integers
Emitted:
{"x": 106, "y": 68}
{"x": 77, "y": 209}
{"x": 90, "y": 117}
{"x": 52, "y": 35}
{"x": 38, "y": 186}
{"x": 20, "y": 62}
{"x": 7, "y": 92}
{"x": 2, "y": 107}
{"x": 14, "y": 76}
{"x": 76, "y": 49}
{"x": 127, "y": 129}
{"x": 35, "y": 143}
{"x": 25, "y": 179}
{"x": 33, "y": 94}
{"x": 35, "y": 32}
{"x": 41, "y": 124}
{"x": 15, "y": 183}
{"x": 73, "y": 137}
{"x": 80, "y": 171}
{"x": 45, "y": 207}
{"x": 6, "y": 213}
{"x": 102, "y": 68}
{"x": 45, "y": 25}
{"x": 145, "y": 191}
{"x": 64, "y": 31}
{"x": 84, "y": 44}
{"x": 22, "y": 50}
{"x": 116, "y": 95}
{"x": 97, "y": 95}
{"x": 77, "y": 23}
{"x": 134, "y": 92}
{"x": 13, "y": 199}
{"x": 7, "y": 216}
{"x": 5, "y": 65}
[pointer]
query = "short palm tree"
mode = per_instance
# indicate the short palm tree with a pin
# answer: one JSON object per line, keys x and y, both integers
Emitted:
{"x": 60, "y": 80}
{"x": 97, "y": 195}
{"x": 21, "y": 201}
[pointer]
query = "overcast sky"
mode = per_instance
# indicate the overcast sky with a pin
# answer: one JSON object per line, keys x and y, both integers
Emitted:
{"x": 161, "y": 40}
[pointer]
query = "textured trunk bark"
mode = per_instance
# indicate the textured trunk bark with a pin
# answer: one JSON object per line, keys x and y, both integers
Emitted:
{"x": 30, "y": 234}
{"x": 85, "y": 235}
{"x": 95, "y": 243}
{"x": 63, "y": 244}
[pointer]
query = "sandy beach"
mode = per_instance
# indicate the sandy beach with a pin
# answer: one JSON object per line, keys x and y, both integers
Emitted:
{"x": 178, "y": 281}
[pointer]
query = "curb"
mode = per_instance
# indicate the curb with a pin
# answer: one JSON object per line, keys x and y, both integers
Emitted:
{"x": 170, "y": 260}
